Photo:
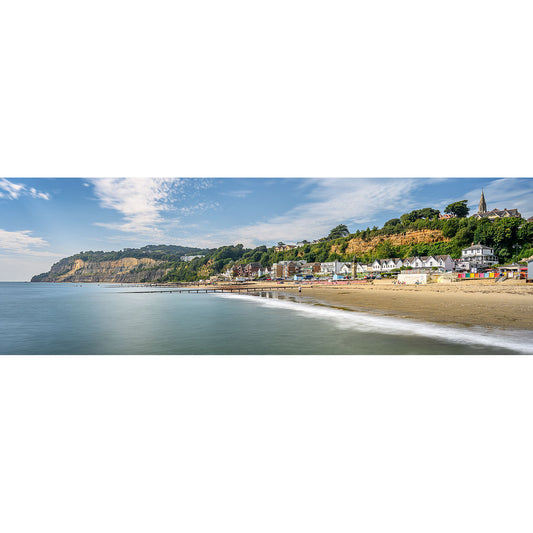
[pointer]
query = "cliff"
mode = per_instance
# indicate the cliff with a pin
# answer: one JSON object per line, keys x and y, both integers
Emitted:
{"x": 358, "y": 246}
{"x": 124, "y": 270}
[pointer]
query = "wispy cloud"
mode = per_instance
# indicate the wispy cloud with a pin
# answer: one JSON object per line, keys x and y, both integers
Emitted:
{"x": 237, "y": 193}
{"x": 13, "y": 191}
{"x": 198, "y": 208}
{"x": 142, "y": 202}
{"x": 327, "y": 203}
{"x": 21, "y": 242}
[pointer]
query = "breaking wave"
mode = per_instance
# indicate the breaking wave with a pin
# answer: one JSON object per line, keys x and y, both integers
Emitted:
{"x": 516, "y": 340}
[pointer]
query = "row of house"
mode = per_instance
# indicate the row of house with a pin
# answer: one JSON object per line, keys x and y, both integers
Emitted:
{"x": 285, "y": 269}
{"x": 475, "y": 256}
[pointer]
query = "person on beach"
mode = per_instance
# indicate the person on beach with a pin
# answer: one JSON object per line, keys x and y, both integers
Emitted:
{"x": 300, "y": 288}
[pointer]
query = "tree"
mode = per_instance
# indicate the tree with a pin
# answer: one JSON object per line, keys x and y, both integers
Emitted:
{"x": 384, "y": 250}
{"x": 428, "y": 212}
{"x": 459, "y": 209}
{"x": 392, "y": 223}
{"x": 339, "y": 231}
{"x": 280, "y": 244}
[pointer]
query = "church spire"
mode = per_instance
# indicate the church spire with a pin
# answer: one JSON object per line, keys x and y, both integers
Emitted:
{"x": 482, "y": 204}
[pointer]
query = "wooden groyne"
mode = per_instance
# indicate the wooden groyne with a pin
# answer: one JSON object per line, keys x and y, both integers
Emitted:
{"x": 221, "y": 289}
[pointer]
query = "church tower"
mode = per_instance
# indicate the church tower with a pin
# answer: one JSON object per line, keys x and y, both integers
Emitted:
{"x": 482, "y": 204}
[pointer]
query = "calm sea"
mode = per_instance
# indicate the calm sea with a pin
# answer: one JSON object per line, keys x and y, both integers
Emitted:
{"x": 47, "y": 318}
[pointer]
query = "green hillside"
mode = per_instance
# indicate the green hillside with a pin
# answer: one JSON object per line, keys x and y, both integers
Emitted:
{"x": 511, "y": 238}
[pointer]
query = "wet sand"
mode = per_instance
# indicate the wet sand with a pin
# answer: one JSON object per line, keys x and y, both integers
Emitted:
{"x": 504, "y": 305}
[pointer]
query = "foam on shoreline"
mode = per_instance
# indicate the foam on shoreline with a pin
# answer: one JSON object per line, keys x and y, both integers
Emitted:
{"x": 516, "y": 340}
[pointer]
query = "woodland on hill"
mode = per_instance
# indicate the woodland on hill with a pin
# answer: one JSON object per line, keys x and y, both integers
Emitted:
{"x": 420, "y": 232}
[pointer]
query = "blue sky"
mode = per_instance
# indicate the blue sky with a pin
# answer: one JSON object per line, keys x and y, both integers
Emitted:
{"x": 45, "y": 219}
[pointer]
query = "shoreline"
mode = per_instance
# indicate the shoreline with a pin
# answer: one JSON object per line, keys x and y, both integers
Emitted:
{"x": 505, "y": 307}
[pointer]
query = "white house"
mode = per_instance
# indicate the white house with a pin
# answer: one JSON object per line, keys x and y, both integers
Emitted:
{"x": 479, "y": 254}
{"x": 361, "y": 268}
{"x": 417, "y": 262}
{"x": 346, "y": 269}
{"x": 376, "y": 266}
{"x": 430, "y": 262}
{"x": 445, "y": 262}
{"x": 391, "y": 264}
{"x": 331, "y": 267}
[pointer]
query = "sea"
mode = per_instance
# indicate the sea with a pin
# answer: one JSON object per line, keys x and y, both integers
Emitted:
{"x": 110, "y": 319}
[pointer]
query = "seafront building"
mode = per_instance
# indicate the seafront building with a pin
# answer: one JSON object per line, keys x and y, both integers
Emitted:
{"x": 478, "y": 255}
{"x": 474, "y": 257}
{"x": 440, "y": 262}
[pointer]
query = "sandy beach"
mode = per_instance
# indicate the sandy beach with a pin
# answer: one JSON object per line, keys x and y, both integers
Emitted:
{"x": 471, "y": 303}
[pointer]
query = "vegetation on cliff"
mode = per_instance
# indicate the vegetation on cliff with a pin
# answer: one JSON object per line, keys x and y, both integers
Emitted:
{"x": 420, "y": 232}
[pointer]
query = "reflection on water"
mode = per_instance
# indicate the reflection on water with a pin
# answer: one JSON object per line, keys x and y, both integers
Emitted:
{"x": 46, "y": 318}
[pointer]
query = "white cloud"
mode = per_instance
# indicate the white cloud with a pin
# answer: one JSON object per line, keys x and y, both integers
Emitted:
{"x": 20, "y": 242}
{"x": 13, "y": 191}
{"x": 139, "y": 200}
{"x": 142, "y": 202}
{"x": 328, "y": 203}
{"x": 201, "y": 207}
{"x": 237, "y": 193}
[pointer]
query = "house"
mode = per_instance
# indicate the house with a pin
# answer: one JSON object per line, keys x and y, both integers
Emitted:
{"x": 495, "y": 213}
{"x": 407, "y": 262}
{"x": 346, "y": 269}
{"x": 251, "y": 270}
{"x": 530, "y": 268}
{"x": 398, "y": 263}
{"x": 393, "y": 263}
{"x": 284, "y": 247}
{"x": 430, "y": 262}
{"x": 285, "y": 269}
{"x": 360, "y": 268}
{"x": 417, "y": 262}
{"x": 445, "y": 262}
{"x": 237, "y": 271}
{"x": 331, "y": 267}
{"x": 189, "y": 258}
{"x": 376, "y": 266}
{"x": 310, "y": 269}
{"x": 277, "y": 270}
{"x": 263, "y": 271}
{"x": 479, "y": 255}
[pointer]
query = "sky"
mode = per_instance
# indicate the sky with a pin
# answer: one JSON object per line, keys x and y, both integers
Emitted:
{"x": 45, "y": 219}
